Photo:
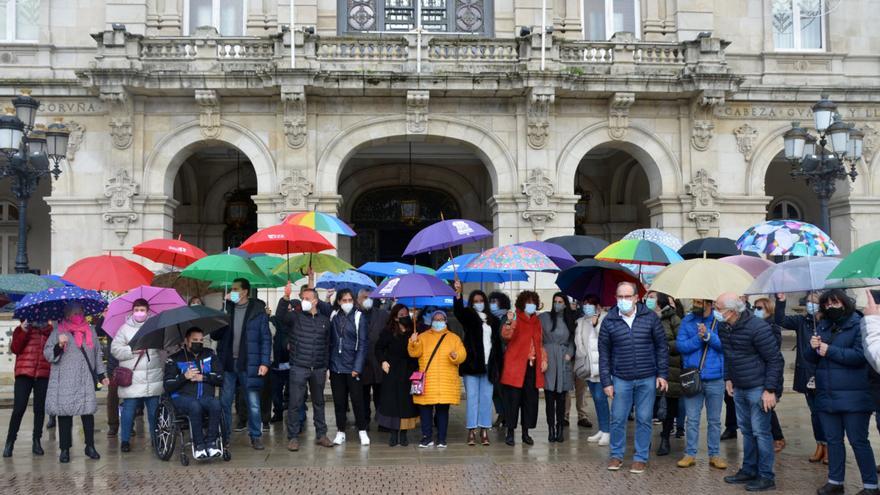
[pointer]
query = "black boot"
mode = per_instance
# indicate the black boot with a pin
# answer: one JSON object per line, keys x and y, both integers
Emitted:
{"x": 393, "y": 438}
{"x": 7, "y": 450}
{"x": 91, "y": 453}
{"x": 664, "y": 445}
{"x": 526, "y": 438}
{"x": 559, "y": 434}
{"x": 64, "y": 458}
{"x": 403, "y": 440}
{"x": 508, "y": 439}
{"x": 551, "y": 436}
{"x": 51, "y": 423}
{"x": 36, "y": 448}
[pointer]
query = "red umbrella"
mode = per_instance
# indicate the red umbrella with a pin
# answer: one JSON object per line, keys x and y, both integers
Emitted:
{"x": 108, "y": 272}
{"x": 174, "y": 252}
{"x": 286, "y": 239}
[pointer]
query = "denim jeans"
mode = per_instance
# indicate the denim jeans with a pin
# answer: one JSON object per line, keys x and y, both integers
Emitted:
{"x": 855, "y": 425}
{"x": 231, "y": 380}
{"x": 129, "y": 408}
{"x": 600, "y": 401}
{"x": 628, "y": 393}
{"x": 754, "y": 423}
{"x": 195, "y": 409}
{"x": 713, "y": 398}
{"x": 479, "y": 401}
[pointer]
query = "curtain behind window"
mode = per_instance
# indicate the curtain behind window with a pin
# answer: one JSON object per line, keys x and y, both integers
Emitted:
{"x": 200, "y": 14}
{"x": 232, "y": 17}
{"x": 594, "y": 20}
{"x": 624, "y": 17}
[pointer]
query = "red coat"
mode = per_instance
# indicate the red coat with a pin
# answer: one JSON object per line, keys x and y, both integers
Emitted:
{"x": 27, "y": 345}
{"x": 525, "y": 329}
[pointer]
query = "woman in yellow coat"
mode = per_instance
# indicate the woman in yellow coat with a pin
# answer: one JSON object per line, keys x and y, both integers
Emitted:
{"x": 442, "y": 383}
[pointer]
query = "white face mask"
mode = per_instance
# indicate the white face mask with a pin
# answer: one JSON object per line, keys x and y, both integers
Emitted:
{"x": 306, "y": 305}
{"x": 367, "y": 304}
{"x": 347, "y": 307}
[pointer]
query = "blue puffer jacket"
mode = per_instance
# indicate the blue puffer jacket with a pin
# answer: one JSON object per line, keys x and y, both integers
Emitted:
{"x": 632, "y": 354}
{"x": 690, "y": 345}
{"x": 842, "y": 383}
{"x": 255, "y": 342}
{"x": 349, "y": 341}
{"x": 751, "y": 353}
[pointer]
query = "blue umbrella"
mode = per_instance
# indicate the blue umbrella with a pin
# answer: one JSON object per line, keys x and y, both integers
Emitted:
{"x": 392, "y": 269}
{"x": 465, "y": 274}
{"x": 57, "y": 278}
{"x": 50, "y": 303}
{"x": 349, "y": 279}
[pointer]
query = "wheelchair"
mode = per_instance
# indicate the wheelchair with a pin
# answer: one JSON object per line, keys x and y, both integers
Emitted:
{"x": 173, "y": 429}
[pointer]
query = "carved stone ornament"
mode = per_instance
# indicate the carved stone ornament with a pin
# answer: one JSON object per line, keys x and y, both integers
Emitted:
{"x": 705, "y": 220}
{"x": 295, "y": 124}
{"x": 539, "y": 105}
{"x": 703, "y": 109}
{"x": 618, "y": 114}
{"x": 538, "y": 188}
{"x": 703, "y": 189}
{"x": 870, "y": 143}
{"x": 120, "y": 109}
{"x": 538, "y": 219}
{"x": 209, "y": 116}
{"x": 746, "y": 136}
{"x": 417, "y": 111}
{"x": 77, "y": 135}
{"x": 295, "y": 188}
{"x": 120, "y": 189}
{"x": 701, "y": 134}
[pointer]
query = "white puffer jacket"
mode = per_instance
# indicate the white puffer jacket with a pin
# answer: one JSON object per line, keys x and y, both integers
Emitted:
{"x": 148, "y": 375}
{"x": 586, "y": 359}
{"x": 871, "y": 340}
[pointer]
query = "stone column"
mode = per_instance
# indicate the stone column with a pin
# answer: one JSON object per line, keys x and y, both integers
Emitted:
{"x": 853, "y": 222}
{"x": 652, "y": 24}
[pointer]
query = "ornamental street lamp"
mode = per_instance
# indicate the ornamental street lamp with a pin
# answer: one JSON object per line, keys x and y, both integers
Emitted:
{"x": 822, "y": 167}
{"x": 26, "y": 149}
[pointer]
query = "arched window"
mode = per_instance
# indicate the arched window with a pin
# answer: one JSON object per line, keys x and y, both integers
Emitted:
{"x": 8, "y": 235}
{"x": 784, "y": 209}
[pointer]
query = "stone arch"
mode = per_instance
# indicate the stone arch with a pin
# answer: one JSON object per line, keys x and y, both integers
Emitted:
{"x": 494, "y": 154}
{"x": 169, "y": 153}
{"x": 656, "y": 157}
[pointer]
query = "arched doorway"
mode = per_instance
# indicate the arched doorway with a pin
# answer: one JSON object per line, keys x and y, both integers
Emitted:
{"x": 792, "y": 198}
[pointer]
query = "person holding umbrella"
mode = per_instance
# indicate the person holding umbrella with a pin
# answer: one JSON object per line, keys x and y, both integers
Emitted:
{"x": 349, "y": 343}
{"x": 396, "y": 411}
{"x": 77, "y": 370}
{"x": 558, "y": 328}
{"x": 31, "y": 374}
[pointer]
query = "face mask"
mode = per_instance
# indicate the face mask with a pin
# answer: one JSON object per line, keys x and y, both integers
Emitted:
{"x": 759, "y": 313}
{"x": 139, "y": 316}
{"x": 558, "y": 307}
{"x": 589, "y": 310}
{"x": 651, "y": 303}
{"x": 77, "y": 319}
{"x": 347, "y": 307}
{"x": 493, "y": 307}
{"x": 479, "y": 307}
{"x": 406, "y": 321}
{"x": 367, "y": 304}
{"x": 438, "y": 325}
{"x": 835, "y": 314}
{"x": 196, "y": 347}
{"x": 427, "y": 319}
{"x": 698, "y": 310}
{"x": 812, "y": 308}
{"x": 531, "y": 308}
{"x": 718, "y": 315}
{"x": 234, "y": 296}
{"x": 625, "y": 306}
{"x": 306, "y": 305}
{"x": 196, "y": 304}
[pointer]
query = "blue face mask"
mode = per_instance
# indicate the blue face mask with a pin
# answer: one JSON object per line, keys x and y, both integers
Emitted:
{"x": 234, "y": 296}
{"x": 624, "y": 305}
{"x": 479, "y": 307}
{"x": 493, "y": 307}
{"x": 438, "y": 325}
{"x": 812, "y": 308}
{"x": 719, "y": 317}
{"x": 559, "y": 307}
{"x": 589, "y": 310}
{"x": 651, "y": 303}
{"x": 759, "y": 313}
{"x": 427, "y": 319}
{"x": 531, "y": 308}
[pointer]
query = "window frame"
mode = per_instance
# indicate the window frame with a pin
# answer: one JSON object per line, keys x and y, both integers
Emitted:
{"x": 215, "y": 18}
{"x": 796, "y": 30}
{"x": 11, "y": 25}
{"x": 788, "y": 202}
{"x": 609, "y": 20}
{"x": 488, "y": 31}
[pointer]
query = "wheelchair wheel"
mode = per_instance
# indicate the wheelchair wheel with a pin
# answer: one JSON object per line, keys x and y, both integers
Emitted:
{"x": 166, "y": 431}
{"x": 184, "y": 459}
{"x": 227, "y": 456}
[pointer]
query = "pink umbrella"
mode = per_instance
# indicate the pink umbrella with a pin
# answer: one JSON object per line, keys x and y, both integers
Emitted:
{"x": 752, "y": 264}
{"x": 160, "y": 299}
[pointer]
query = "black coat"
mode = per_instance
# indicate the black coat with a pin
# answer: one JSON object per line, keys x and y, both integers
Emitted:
{"x": 254, "y": 346}
{"x": 396, "y": 401}
{"x": 803, "y": 327}
{"x": 842, "y": 379}
{"x": 280, "y": 351}
{"x": 376, "y": 320}
{"x": 175, "y": 382}
{"x": 751, "y": 353}
{"x": 472, "y": 325}
{"x": 308, "y": 338}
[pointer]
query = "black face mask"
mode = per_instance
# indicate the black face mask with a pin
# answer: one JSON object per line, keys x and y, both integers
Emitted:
{"x": 196, "y": 347}
{"x": 835, "y": 314}
{"x": 698, "y": 311}
{"x": 406, "y": 321}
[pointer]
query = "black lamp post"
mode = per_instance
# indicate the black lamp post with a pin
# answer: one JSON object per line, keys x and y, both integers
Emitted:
{"x": 822, "y": 167}
{"x": 26, "y": 149}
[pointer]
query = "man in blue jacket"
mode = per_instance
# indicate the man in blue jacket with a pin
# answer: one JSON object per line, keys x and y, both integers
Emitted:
{"x": 245, "y": 349}
{"x": 633, "y": 365}
{"x": 753, "y": 367}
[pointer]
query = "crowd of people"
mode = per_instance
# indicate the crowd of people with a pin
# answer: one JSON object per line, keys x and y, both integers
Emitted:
{"x": 643, "y": 359}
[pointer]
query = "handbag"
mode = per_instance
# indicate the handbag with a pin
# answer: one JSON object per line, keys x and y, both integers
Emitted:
{"x": 662, "y": 408}
{"x": 691, "y": 382}
{"x": 124, "y": 376}
{"x": 91, "y": 370}
{"x": 417, "y": 379}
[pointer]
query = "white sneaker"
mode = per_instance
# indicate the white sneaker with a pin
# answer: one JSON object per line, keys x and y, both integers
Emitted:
{"x": 340, "y": 438}
{"x": 605, "y": 439}
{"x": 365, "y": 439}
{"x": 595, "y": 438}
{"x": 212, "y": 452}
{"x": 201, "y": 454}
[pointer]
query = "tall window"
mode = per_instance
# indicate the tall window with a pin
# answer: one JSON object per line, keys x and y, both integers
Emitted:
{"x": 8, "y": 236}
{"x": 798, "y": 24}
{"x": 228, "y": 16}
{"x": 603, "y": 18}
{"x": 453, "y": 16}
{"x": 19, "y": 20}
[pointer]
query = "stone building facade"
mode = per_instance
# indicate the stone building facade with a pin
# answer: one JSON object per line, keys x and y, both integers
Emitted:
{"x": 623, "y": 114}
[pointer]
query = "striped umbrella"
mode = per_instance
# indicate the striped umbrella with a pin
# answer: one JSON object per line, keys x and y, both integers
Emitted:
{"x": 321, "y": 222}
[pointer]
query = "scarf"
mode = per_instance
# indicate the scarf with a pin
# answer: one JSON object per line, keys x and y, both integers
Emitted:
{"x": 78, "y": 331}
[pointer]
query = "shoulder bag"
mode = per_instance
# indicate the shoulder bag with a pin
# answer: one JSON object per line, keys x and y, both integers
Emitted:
{"x": 691, "y": 382}
{"x": 124, "y": 376}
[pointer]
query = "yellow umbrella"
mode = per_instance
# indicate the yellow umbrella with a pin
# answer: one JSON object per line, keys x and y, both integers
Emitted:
{"x": 316, "y": 261}
{"x": 701, "y": 279}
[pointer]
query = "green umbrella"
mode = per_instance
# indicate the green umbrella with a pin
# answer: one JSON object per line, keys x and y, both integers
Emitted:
{"x": 222, "y": 269}
{"x": 266, "y": 264}
{"x": 26, "y": 283}
{"x": 864, "y": 262}
{"x": 318, "y": 262}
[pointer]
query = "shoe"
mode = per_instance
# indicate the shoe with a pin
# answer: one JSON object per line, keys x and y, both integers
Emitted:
{"x": 551, "y": 435}
{"x": 740, "y": 478}
{"x": 484, "y": 436}
{"x": 212, "y": 452}
{"x": 91, "y": 453}
{"x": 560, "y": 437}
{"x": 664, "y": 446}
{"x": 869, "y": 491}
{"x": 441, "y": 445}
{"x": 761, "y": 485}
{"x": 825, "y": 455}
{"x": 778, "y": 445}
{"x": 64, "y": 458}
{"x": 718, "y": 463}
{"x": 340, "y": 438}
{"x": 656, "y": 422}
{"x": 565, "y": 422}
{"x": 595, "y": 437}
{"x": 605, "y": 440}
{"x": 425, "y": 443}
{"x": 819, "y": 453}
{"x": 686, "y": 462}
{"x": 36, "y": 448}
{"x": 324, "y": 442}
{"x": 508, "y": 437}
{"x": 830, "y": 489}
{"x": 615, "y": 464}
{"x": 111, "y": 433}
{"x": 201, "y": 454}
{"x": 7, "y": 450}
{"x": 265, "y": 426}
{"x": 276, "y": 418}
{"x": 51, "y": 423}
{"x": 404, "y": 441}
{"x": 125, "y": 447}
{"x": 728, "y": 434}
{"x": 365, "y": 439}
{"x": 472, "y": 437}
{"x": 638, "y": 467}
{"x": 293, "y": 445}
{"x": 240, "y": 427}
{"x": 679, "y": 433}
{"x": 394, "y": 439}
{"x": 526, "y": 439}
{"x": 585, "y": 423}
{"x": 257, "y": 443}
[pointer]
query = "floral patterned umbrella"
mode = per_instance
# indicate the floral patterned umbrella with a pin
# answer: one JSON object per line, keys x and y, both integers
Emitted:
{"x": 787, "y": 237}
{"x": 512, "y": 257}
{"x": 656, "y": 235}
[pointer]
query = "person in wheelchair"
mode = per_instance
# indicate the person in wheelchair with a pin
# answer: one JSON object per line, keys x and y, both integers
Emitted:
{"x": 191, "y": 375}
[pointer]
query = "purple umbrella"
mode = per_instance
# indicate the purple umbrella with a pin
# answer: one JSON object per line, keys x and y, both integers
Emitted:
{"x": 556, "y": 253}
{"x": 445, "y": 234}
{"x": 754, "y": 265}
{"x": 160, "y": 299}
{"x": 412, "y": 285}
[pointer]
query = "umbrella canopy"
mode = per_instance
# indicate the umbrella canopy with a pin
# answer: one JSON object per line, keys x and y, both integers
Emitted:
{"x": 392, "y": 269}
{"x": 19, "y": 284}
{"x": 174, "y": 252}
{"x": 50, "y": 303}
{"x": 167, "y": 330}
{"x": 580, "y": 246}
{"x": 596, "y": 277}
{"x": 512, "y": 257}
{"x": 267, "y": 264}
{"x": 640, "y": 252}
{"x": 349, "y": 279}
{"x": 787, "y": 237}
{"x": 284, "y": 239}
{"x": 108, "y": 272}
{"x": 446, "y": 234}
{"x": 322, "y": 222}
{"x": 186, "y": 287}
{"x": 317, "y": 262}
{"x": 809, "y": 273}
{"x": 160, "y": 299}
{"x": 656, "y": 235}
{"x": 57, "y": 278}
{"x": 412, "y": 285}
{"x": 755, "y": 265}
{"x": 863, "y": 262}
{"x": 701, "y": 279}
{"x": 424, "y": 302}
{"x": 224, "y": 268}
{"x": 459, "y": 265}
{"x": 559, "y": 256}
{"x": 709, "y": 247}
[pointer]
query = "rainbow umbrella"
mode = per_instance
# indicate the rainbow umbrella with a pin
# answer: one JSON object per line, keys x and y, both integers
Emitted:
{"x": 787, "y": 237}
{"x": 322, "y": 222}
{"x": 639, "y": 252}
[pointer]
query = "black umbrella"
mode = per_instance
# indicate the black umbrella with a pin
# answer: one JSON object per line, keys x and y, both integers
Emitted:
{"x": 167, "y": 329}
{"x": 580, "y": 246}
{"x": 713, "y": 247}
